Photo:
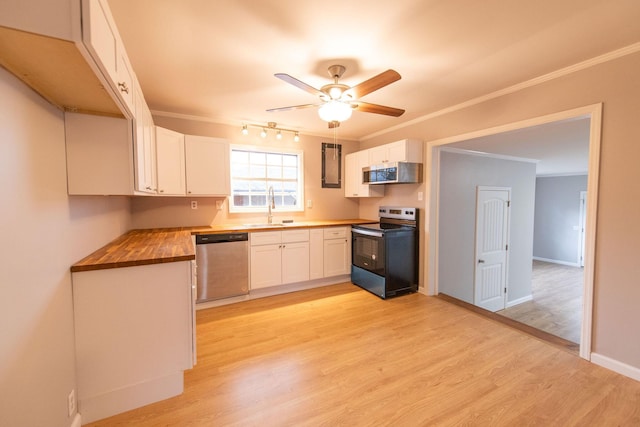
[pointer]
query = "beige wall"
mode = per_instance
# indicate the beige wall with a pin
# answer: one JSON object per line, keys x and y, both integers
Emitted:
{"x": 616, "y": 85}
{"x": 44, "y": 231}
{"x": 328, "y": 203}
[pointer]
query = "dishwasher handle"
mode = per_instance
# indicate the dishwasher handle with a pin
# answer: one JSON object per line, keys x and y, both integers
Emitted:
{"x": 204, "y": 239}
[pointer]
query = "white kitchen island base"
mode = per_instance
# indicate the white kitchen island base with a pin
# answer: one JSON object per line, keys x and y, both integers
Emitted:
{"x": 134, "y": 335}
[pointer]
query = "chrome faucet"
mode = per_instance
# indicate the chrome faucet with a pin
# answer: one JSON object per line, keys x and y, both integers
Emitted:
{"x": 271, "y": 203}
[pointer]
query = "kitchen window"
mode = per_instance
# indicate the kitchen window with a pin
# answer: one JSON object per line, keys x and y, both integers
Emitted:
{"x": 255, "y": 169}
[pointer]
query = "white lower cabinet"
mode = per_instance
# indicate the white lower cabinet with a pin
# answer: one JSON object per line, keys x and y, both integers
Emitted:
{"x": 134, "y": 332}
{"x": 279, "y": 257}
{"x": 337, "y": 251}
{"x": 294, "y": 256}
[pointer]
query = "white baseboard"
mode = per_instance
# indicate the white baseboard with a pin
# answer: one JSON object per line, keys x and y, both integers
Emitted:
{"x": 133, "y": 396}
{"x": 616, "y": 366}
{"x": 557, "y": 261}
{"x": 519, "y": 301}
{"x": 276, "y": 290}
{"x": 77, "y": 421}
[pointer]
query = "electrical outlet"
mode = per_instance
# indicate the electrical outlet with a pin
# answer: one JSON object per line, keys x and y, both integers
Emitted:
{"x": 420, "y": 195}
{"x": 71, "y": 402}
{"x": 194, "y": 204}
{"x": 309, "y": 203}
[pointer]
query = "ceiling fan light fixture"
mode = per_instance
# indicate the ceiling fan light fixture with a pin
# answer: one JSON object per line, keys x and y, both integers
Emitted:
{"x": 335, "y": 92}
{"x": 335, "y": 111}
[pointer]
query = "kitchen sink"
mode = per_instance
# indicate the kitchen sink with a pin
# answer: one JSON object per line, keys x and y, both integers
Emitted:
{"x": 263, "y": 225}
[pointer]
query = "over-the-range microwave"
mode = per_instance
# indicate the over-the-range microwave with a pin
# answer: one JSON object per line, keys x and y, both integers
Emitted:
{"x": 392, "y": 173}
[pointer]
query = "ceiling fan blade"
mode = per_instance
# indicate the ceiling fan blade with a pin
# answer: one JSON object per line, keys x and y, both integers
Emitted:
{"x": 299, "y": 84}
{"x": 374, "y": 83}
{"x": 378, "y": 109}
{"x": 294, "y": 107}
{"x": 334, "y": 124}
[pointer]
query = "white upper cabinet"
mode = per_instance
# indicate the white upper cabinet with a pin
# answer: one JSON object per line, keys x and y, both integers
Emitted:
{"x": 353, "y": 186}
{"x": 145, "y": 147}
{"x": 207, "y": 166}
{"x": 170, "y": 162}
{"x": 100, "y": 36}
{"x": 84, "y": 66}
{"x": 406, "y": 150}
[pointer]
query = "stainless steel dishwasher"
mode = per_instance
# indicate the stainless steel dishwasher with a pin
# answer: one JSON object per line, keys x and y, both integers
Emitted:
{"x": 223, "y": 265}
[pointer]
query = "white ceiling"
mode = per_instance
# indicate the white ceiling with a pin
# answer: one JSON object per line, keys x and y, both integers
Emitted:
{"x": 216, "y": 59}
{"x": 560, "y": 148}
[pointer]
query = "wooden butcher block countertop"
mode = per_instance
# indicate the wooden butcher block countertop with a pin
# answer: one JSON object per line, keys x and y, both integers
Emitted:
{"x": 156, "y": 246}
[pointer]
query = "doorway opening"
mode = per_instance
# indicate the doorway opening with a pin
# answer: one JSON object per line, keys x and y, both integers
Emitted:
{"x": 437, "y": 246}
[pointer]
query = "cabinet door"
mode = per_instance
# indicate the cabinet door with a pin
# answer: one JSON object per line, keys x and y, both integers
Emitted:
{"x": 125, "y": 81}
{"x": 170, "y": 162}
{"x": 295, "y": 262}
{"x": 354, "y": 187}
{"x": 145, "y": 156}
{"x": 397, "y": 152}
{"x": 337, "y": 257}
{"x": 351, "y": 175}
{"x": 316, "y": 253}
{"x": 378, "y": 155}
{"x": 207, "y": 166}
{"x": 100, "y": 36}
{"x": 266, "y": 266}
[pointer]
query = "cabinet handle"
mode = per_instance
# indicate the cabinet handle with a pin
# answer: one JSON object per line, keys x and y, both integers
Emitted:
{"x": 148, "y": 188}
{"x": 189, "y": 192}
{"x": 123, "y": 87}
{"x": 162, "y": 191}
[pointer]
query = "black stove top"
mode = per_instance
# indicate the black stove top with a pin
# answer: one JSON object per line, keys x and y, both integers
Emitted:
{"x": 382, "y": 227}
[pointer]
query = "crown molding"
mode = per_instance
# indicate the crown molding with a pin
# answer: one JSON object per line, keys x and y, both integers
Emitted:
{"x": 610, "y": 56}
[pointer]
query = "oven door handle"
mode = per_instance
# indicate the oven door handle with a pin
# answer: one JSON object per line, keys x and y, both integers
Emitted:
{"x": 368, "y": 232}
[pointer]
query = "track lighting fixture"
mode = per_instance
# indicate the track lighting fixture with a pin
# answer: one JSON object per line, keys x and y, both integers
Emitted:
{"x": 271, "y": 126}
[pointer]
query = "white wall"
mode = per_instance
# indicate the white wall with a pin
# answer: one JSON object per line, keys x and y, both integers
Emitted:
{"x": 557, "y": 215}
{"x": 44, "y": 231}
{"x": 460, "y": 174}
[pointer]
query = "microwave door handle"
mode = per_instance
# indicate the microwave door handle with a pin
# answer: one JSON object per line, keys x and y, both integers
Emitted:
{"x": 369, "y": 232}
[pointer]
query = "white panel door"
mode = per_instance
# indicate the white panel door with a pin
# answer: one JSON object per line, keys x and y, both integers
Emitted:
{"x": 492, "y": 237}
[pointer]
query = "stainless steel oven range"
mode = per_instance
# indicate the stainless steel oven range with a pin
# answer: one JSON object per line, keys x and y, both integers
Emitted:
{"x": 384, "y": 257}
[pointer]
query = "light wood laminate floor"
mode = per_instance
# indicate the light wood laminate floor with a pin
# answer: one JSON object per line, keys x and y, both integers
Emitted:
{"x": 340, "y": 356}
{"x": 556, "y": 306}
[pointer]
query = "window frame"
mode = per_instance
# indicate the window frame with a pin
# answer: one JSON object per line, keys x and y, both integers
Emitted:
{"x": 268, "y": 150}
